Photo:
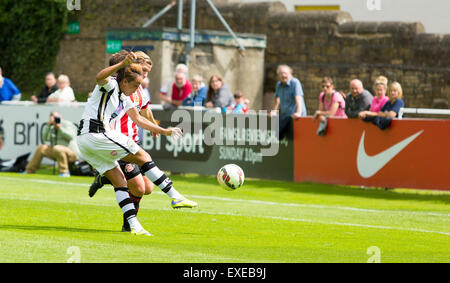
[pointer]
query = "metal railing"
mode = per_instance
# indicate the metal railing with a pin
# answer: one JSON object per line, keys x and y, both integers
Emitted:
{"x": 427, "y": 111}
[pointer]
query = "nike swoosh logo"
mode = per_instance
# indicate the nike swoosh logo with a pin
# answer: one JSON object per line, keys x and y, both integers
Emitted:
{"x": 176, "y": 202}
{"x": 370, "y": 165}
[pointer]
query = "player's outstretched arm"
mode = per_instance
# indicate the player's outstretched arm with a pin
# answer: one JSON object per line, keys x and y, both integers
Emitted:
{"x": 102, "y": 77}
{"x": 149, "y": 126}
{"x": 148, "y": 114}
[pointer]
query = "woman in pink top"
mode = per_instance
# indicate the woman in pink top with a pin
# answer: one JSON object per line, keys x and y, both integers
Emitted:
{"x": 331, "y": 102}
{"x": 380, "y": 98}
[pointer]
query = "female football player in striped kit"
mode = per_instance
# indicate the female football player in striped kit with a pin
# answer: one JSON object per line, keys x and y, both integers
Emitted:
{"x": 138, "y": 185}
{"x": 103, "y": 147}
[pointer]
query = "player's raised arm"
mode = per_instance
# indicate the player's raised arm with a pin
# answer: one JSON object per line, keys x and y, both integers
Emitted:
{"x": 102, "y": 77}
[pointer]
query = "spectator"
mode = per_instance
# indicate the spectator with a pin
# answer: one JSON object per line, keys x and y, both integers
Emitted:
{"x": 331, "y": 104}
{"x": 219, "y": 94}
{"x": 241, "y": 104}
{"x": 8, "y": 90}
{"x": 64, "y": 93}
{"x": 380, "y": 98}
{"x": 181, "y": 89}
{"x": 61, "y": 134}
{"x": 357, "y": 100}
{"x": 198, "y": 94}
{"x": 166, "y": 89}
{"x": 289, "y": 98}
{"x": 390, "y": 110}
{"x": 50, "y": 87}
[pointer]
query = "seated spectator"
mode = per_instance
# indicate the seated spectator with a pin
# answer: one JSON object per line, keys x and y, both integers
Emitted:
{"x": 50, "y": 87}
{"x": 241, "y": 104}
{"x": 166, "y": 88}
{"x": 198, "y": 94}
{"x": 8, "y": 90}
{"x": 357, "y": 100}
{"x": 181, "y": 89}
{"x": 390, "y": 110}
{"x": 331, "y": 104}
{"x": 61, "y": 134}
{"x": 64, "y": 92}
{"x": 380, "y": 98}
{"x": 219, "y": 94}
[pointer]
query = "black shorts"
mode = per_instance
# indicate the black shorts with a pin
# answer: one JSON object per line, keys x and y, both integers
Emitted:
{"x": 130, "y": 170}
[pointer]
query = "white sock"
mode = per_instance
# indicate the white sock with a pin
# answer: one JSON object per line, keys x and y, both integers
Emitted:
{"x": 135, "y": 224}
{"x": 172, "y": 193}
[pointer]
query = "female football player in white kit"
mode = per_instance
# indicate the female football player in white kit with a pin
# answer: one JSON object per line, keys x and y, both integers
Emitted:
{"x": 138, "y": 184}
{"x": 103, "y": 147}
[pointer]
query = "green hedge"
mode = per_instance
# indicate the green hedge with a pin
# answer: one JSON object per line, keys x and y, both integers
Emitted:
{"x": 30, "y": 32}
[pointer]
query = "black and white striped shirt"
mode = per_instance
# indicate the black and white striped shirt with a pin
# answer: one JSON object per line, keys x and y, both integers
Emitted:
{"x": 105, "y": 104}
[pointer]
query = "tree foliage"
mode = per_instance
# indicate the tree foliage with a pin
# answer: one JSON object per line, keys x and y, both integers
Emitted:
{"x": 30, "y": 32}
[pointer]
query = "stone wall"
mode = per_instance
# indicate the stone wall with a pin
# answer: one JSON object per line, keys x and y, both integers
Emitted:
{"x": 314, "y": 44}
{"x": 215, "y": 52}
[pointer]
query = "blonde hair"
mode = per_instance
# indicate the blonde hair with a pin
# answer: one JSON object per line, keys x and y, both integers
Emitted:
{"x": 63, "y": 78}
{"x": 143, "y": 58}
{"x": 197, "y": 78}
{"x": 397, "y": 86}
{"x": 381, "y": 80}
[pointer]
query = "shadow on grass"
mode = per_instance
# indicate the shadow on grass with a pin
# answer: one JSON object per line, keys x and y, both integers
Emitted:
{"x": 53, "y": 228}
{"x": 326, "y": 189}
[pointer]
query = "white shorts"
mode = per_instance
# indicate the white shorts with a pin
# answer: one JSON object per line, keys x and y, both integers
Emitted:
{"x": 102, "y": 150}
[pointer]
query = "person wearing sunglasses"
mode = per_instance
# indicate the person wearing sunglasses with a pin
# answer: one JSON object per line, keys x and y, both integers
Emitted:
{"x": 331, "y": 104}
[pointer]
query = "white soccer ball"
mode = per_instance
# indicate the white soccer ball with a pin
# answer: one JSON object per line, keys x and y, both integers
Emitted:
{"x": 230, "y": 177}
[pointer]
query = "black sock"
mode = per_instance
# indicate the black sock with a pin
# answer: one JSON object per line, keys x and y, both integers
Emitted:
{"x": 105, "y": 181}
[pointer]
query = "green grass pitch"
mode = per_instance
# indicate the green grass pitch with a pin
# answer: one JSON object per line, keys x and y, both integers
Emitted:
{"x": 45, "y": 218}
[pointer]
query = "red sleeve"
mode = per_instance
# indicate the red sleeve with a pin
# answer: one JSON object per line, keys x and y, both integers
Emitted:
{"x": 186, "y": 90}
{"x": 145, "y": 106}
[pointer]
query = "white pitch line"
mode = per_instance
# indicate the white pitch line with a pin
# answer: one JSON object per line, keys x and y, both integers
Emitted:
{"x": 328, "y": 222}
{"x": 324, "y": 206}
{"x": 255, "y": 201}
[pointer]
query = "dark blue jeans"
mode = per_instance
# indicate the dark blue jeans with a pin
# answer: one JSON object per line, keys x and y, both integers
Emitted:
{"x": 285, "y": 126}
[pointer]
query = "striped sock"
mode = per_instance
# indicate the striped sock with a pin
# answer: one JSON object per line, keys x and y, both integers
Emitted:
{"x": 160, "y": 179}
{"x": 125, "y": 202}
